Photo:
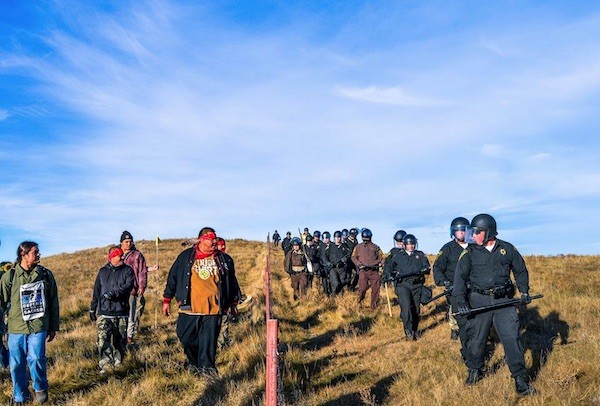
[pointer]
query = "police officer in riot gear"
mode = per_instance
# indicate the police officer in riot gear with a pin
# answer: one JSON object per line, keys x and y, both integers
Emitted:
{"x": 443, "y": 271}
{"x": 335, "y": 260}
{"x": 486, "y": 264}
{"x": 407, "y": 269}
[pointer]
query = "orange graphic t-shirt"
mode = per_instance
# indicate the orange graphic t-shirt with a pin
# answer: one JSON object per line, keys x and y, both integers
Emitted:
{"x": 205, "y": 287}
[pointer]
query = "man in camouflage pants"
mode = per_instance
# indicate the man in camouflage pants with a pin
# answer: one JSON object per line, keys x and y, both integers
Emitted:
{"x": 110, "y": 308}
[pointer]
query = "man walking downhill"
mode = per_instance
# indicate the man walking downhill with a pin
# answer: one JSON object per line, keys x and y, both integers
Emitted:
{"x": 110, "y": 309}
{"x": 203, "y": 282}
{"x": 136, "y": 261}
{"x": 30, "y": 295}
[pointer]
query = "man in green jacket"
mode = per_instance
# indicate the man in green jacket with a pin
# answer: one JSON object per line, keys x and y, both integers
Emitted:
{"x": 29, "y": 295}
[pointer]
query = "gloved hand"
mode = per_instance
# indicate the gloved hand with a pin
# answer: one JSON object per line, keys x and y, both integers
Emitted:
{"x": 525, "y": 298}
{"x": 93, "y": 316}
{"x": 463, "y": 309}
{"x": 109, "y": 295}
{"x": 448, "y": 285}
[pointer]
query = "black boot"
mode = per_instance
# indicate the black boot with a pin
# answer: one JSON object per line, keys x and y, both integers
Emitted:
{"x": 475, "y": 376}
{"x": 522, "y": 385}
{"x": 454, "y": 335}
{"x": 409, "y": 335}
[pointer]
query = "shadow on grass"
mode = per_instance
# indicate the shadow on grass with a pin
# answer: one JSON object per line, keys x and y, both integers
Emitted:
{"x": 375, "y": 396}
{"x": 361, "y": 327}
{"x": 540, "y": 334}
{"x": 310, "y": 321}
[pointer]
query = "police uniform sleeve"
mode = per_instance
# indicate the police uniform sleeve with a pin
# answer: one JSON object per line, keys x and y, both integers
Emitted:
{"x": 520, "y": 272}
{"x": 287, "y": 262}
{"x": 461, "y": 278}
{"x": 355, "y": 258}
{"x": 439, "y": 267}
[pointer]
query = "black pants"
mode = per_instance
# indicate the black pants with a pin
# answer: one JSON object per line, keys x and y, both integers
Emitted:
{"x": 338, "y": 278}
{"x": 462, "y": 330}
{"x": 199, "y": 335}
{"x": 506, "y": 322}
{"x": 409, "y": 296}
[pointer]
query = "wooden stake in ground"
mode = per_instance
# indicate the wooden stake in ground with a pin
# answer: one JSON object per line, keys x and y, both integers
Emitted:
{"x": 387, "y": 295}
{"x": 156, "y": 242}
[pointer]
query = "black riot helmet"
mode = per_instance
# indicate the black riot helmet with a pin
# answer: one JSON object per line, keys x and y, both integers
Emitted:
{"x": 399, "y": 236}
{"x": 353, "y": 231}
{"x": 296, "y": 241}
{"x": 458, "y": 224}
{"x": 326, "y": 235}
{"x": 317, "y": 234}
{"x": 366, "y": 234}
{"x": 309, "y": 238}
{"x": 409, "y": 239}
{"x": 345, "y": 232}
{"x": 337, "y": 234}
{"x": 486, "y": 223}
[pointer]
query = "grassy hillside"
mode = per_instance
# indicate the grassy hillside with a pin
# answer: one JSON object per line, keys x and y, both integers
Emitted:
{"x": 335, "y": 353}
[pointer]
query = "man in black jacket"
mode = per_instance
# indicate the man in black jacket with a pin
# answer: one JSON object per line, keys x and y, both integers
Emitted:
{"x": 202, "y": 280}
{"x": 110, "y": 308}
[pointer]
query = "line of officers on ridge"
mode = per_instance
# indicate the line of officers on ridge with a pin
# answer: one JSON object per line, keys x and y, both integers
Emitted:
{"x": 474, "y": 267}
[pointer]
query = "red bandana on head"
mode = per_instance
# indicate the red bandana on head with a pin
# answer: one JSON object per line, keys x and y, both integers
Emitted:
{"x": 117, "y": 252}
{"x": 207, "y": 236}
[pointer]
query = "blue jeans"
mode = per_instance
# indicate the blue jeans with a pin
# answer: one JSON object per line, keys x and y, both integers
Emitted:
{"x": 27, "y": 349}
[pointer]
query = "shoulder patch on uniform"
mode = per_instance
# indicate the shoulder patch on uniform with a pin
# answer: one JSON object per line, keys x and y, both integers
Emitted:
{"x": 462, "y": 254}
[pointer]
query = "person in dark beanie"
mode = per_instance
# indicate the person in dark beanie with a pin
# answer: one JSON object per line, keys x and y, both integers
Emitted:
{"x": 30, "y": 294}
{"x": 202, "y": 280}
{"x": 137, "y": 303}
{"x": 110, "y": 308}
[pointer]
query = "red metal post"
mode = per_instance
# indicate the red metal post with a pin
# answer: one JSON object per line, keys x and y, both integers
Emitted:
{"x": 272, "y": 362}
{"x": 268, "y": 281}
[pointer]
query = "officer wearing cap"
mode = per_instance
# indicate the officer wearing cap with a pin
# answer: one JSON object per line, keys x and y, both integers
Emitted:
{"x": 486, "y": 264}
{"x": 407, "y": 269}
{"x": 286, "y": 243}
{"x": 335, "y": 260}
{"x": 367, "y": 258}
{"x": 443, "y": 271}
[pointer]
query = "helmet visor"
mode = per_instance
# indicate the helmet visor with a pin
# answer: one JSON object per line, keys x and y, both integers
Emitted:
{"x": 458, "y": 232}
{"x": 476, "y": 235}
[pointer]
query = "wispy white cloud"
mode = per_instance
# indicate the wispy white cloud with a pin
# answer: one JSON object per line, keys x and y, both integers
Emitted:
{"x": 4, "y": 115}
{"x": 389, "y": 95}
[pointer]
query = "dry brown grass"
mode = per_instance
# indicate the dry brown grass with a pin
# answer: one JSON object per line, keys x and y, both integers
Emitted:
{"x": 335, "y": 352}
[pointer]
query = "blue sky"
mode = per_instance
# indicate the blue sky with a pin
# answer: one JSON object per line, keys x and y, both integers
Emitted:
{"x": 162, "y": 117}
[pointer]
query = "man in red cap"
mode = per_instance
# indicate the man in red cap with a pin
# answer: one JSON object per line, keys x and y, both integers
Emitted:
{"x": 202, "y": 280}
{"x": 110, "y": 308}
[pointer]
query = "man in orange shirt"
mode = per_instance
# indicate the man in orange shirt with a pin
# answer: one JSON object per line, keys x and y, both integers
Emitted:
{"x": 202, "y": 280}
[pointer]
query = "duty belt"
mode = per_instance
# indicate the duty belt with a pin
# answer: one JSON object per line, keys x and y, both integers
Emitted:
{"x": 487, "y": 292}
